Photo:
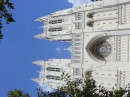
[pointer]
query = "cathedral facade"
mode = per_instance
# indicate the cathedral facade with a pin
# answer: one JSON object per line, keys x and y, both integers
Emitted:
{"x": 99, "y": 33}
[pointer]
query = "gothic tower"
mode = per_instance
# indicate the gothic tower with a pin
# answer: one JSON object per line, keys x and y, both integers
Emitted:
{"x": 99, "y": 33}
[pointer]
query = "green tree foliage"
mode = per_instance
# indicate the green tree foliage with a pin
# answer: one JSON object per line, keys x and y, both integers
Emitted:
{"x": 58, "y": 93}
{"x": 17, "y": 93}
{"x": 4, "y": 13}
{"x": 85, "y": 87}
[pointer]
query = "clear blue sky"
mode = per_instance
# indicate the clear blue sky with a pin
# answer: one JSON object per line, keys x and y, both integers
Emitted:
{"x": 18, "y": 48}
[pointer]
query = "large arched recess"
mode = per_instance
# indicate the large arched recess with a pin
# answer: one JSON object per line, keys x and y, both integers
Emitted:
{"x": 99, "y": 48}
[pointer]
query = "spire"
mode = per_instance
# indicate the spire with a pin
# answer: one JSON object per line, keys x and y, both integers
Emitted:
{"x": 38, "y": 80}
{"x": 40, "y": 36}
{"x": 38, "y": 71}
{"x": 69, "y": 49}
{"x": 41, "y": 19}
{"x": 43, "y": 36}
{"x": 39, "y": 62}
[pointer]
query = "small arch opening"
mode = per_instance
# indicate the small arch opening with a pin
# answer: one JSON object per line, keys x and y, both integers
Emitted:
{"x": 90, "y": 23}
{"x": 90, "y": 15}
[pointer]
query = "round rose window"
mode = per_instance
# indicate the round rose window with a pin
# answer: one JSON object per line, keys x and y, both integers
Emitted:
{"x": 102, "y": 49}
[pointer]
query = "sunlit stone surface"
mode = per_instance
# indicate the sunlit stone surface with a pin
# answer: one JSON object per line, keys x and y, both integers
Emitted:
{"x": 99, "y": 33}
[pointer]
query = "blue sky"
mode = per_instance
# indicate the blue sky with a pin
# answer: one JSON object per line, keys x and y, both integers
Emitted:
{"x": 18, "y": 48}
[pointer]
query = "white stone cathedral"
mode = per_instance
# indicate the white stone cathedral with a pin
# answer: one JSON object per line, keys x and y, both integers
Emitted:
{"x": 99, "y": 33}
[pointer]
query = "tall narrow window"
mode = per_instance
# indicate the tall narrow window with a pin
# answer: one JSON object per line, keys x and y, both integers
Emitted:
{"x": 77, "y": 48}
{"x": 77, "y": 44}
{"x": 55, "y": 29}
{"x": 77, "y": 61}
{"x": 53, "y": 69}
{"x": 77, "y": 52}
{"x": 55, "y": 21}
{"x": 60, "y": 21}
{"x": 77, "y": 71}
{"x": 79, "y": 16}
{"x": 78, "y": 25}
{"x": 53, "y": 77}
